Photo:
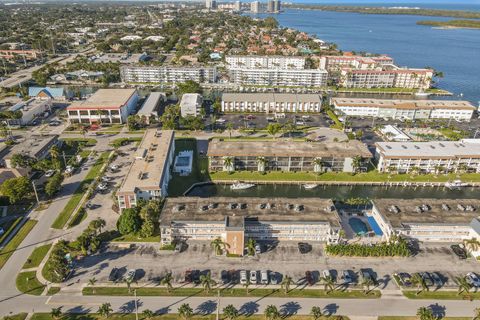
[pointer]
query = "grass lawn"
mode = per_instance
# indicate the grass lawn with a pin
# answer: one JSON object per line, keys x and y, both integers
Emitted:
{"x": 372, "y": 176}
{"x": 53, "y": 290}
{"x": 88, "y": 142}
{"x": 37, "y": 256}
{"x": 28, "y": 283}
{"x": 441, "y": 295}
{"x": 134, "y": 238}
{"x": 454, "y": 135}
{"x": 416, "y": 318}
{"x": 78, "y": 218}
{"x": 94, "y": 172}
{"x": 8, "y": 228}
{"x": 18, "y": 316}
{"x": 179, "y": 184}
{"x": 235, "y": 292}
{"x": 131, "y": 316}
{"x": 124, "y": 141}
{"x": 8, "y": 250}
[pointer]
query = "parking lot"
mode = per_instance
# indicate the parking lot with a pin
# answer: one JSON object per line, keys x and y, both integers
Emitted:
{"x": 152, "y": 264}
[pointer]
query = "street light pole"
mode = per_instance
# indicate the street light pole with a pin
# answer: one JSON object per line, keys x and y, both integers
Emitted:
{"x": 136, "y": 305}
{"x": 35, "y": 191}
{"x": 217, "y": 316}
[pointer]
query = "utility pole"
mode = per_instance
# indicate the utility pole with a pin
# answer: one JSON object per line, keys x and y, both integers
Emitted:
{"x": 35, "y": 190}
{"x": 136, "y": 305}
{"x": 64, "y": 159}
{"x": 217, "y": 315}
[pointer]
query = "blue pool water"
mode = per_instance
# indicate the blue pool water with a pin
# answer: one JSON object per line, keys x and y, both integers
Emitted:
{"x": 374, "y": 225}
{"x": 358, "y": 226}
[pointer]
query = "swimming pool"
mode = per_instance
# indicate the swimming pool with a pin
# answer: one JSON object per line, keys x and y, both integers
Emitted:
{"x": 183, "y": 161}
{"x": 358, "y": 226}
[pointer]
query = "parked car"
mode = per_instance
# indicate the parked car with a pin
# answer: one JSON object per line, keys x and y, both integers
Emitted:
{"x": 473, "y": 279}
{"x": 264, "y": 277}
{"x": 304, "y": 247}
{"x": 309, "y": 278}
{"x": 275, "y": 278}
{"x": 69, "y": 169}
{"x": 54, "y": 123}
{"x": 250, "y": 117}
{"x": 179, "y": 247}
{"x": 327, "y": 274}
{"x": 459, "y": 251}
{"x": 114, "y": 167}
{"x": 367, "y": 274}
{"x": 253, "y": 277}
{"x": 258, "y": 248}
{"x": 102, "y": 186}
{"x": 196, "y": 276}
{"x": 224, "y": 277}
{"x": 437, "y": 279}
{"x": 426, "y": 278}
{"x": 113, "y": 276}
{"x": 188, "y": 276}
{"x": 105, "y": 179}
{"x": 300, "y": 123}
{"x": 404, "y": 278}
{"x": 347, "y": 277}
{"x": 243, "y": 277}
{"x": 130, "y": 276}
{"x": 49, "y": 173}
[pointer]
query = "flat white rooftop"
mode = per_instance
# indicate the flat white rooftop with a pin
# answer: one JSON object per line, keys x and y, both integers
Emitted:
{"x": 403, "y": 104}
{"x": 434, "y": 149}
{"x": 105, "y": 98}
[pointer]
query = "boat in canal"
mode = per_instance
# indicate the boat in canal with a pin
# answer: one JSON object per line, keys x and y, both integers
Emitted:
{"x": 310, "y": 186}
{"x": 241, "y": 186}
{"x": 456, "y": 184}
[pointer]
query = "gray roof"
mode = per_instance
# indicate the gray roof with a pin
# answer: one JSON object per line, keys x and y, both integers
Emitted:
{"x": 271, "y": 97}
{"x": 152, "y": 102}
{"x": 433, "y": 149}
{"x": 403, "y": 104}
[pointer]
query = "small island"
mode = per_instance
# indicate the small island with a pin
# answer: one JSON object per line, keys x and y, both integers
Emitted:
{"x": 471, "y": 24}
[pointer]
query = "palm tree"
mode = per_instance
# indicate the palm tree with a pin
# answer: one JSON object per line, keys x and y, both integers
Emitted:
{"x": 207, "y": 281}
{"x": 317, "y": 164}
{"x": 98, "y": 224}
{"x": 463, "y": 285}
{"x": 230, "y": 128}
{"x": 148, "y": 314}
{"x": 472, "y": 244}
{"x": 129, "y": 281}
{"x": 230, "y": 312}
{"x": 54, "y": 152}
{"x": 261, "y": 163}
{"x": 228, "y": 164}
{"x": 273, "y": 129}
{"x": 271, "y": 312}
{"x": 418, "y": 280}
{"x": 287, "y": 281}
{"x": 105, "y": 309}
{"x": 251, "y": 246}
{"x": 56, "y": 313}
{"x": 91, "y": 283}
{"x": 425, "y": 314}
{"x": 476, "y": 314}
{"x": 219, "y": 246}
{"x": 185, "y": 311}
{"x": 356, "y": 163}
{"x": 167, "y": 281}
{"x": 316, "y": 313}
{"x": 367, "y": 282}
{"x": 247, "y": 285}
{"x": 328, "y": 283}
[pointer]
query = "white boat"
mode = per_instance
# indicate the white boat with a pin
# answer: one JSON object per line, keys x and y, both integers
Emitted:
{"x": 310, "y": 186}
{"x": 241, "y": 186}
{"x": 456, "y": 184}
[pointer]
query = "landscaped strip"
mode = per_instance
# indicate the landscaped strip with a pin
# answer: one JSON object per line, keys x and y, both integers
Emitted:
{"x": 37, "y": 256}
{"x": 170, "y": 316}
{"x": 416, "y": 318}
{"x": 254, "y": 292}
{"x": 18, "y": 316}
{"x": 441, "y": 295}
{"x": 28, "y": 283}
{"x": 10, "y": 228}
{"x": 94, "y": 172}
{"x": 11, "y": 246}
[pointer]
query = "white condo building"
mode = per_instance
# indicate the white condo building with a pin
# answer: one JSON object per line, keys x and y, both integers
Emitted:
{"x": 265, "y": 62}
{"x": 167, "y": 74}
{"x": 404, "y": 109}
{"x": 271, "y": 102}
{"x": 277, "y": 77}
{"x": 429, "y": 157}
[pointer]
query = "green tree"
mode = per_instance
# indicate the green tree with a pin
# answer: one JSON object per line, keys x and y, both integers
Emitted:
{"x": 230, "y": 312}
{"x": 417, "y": 280}
{"x": 16, "y": 189}
{"x": 425, "y": 314}
{"x": 273, "y": 129}
{"x": 218, "y": 245}
{"x": 105, "y": 310}
{"x": 316, "y": 313}
{"x": 129, "y": 221}
{"x": 56, "y": 313}
{"x": 54, "y": 184}
{"x": 185, "y": 311}
{"x": 188, "y": 86}
{"x": 271, "y": 313}
{"x": 463, "y": 285}
{"x": 147, "y": 229}
{"x": 91, "y": 283}
{"x": 228, "y": 163}
{"x": 251, "y": 246}
{"x": 167, "y": 281}
{"x": 22, "y": 161}
{"x": 287, "y": 281}
{"x": 207, "y": 282}
{"x": 148, "y": 314}
{"x": 476, "y": 314}
{"x": 96, "y": 225}
{"x": 328, "y": 283}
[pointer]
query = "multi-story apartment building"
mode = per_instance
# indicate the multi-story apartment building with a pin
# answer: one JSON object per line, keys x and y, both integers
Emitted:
{"x": 235, "y": 220}
{"x": 404, "y": 109}
{"x": 271, "y": 102}
{"x": 429, "y": 157}
{"x": 167, "y": 74}
{"x": 288, "y": 156}
{"x": 31, "y": 109}
{"x": 337, "y": 63}
{"x": 12, "y": 54}
{"x": 278, "y": 77}
{"x": 104, "y": 106}
{"x": 191, "y": 104}
{"x": 149, "y": 174}
{"x": 428, "y": 220}
{"x": 265, "y": 62}
{"x": 386, "y": 78}
{"x": 33, "y": 146}
{"x": 255, "y": 6}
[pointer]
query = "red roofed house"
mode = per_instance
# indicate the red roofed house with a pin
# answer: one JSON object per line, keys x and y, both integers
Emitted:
{"x": 104, "y": 106}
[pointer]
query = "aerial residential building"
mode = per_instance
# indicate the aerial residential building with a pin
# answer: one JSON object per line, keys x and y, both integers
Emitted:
{"x": 130, "y": 38}
{"x": 210, "y": 4}
{"x": 429, "y": 157}
{"x": 255, "y": 6}
{"x": 235, "y": 220}
{"x": 149, "y": 174}
{"x": 12, "y": 54}
{"x": 104, "y": 106}
{"x": 271, "y": 102}
{"x": 149, "y": 109}
{"x": 238, "y": 6}
{"x": 190, "y": 105}
{"x": 390, "y": 78}
{"x": 404, "y": 109}
{"x": 34, "y": 146}
{"x": 46, "y": 93}
{"x": 279, "y": 77}
{"x": 270, "y": 6}
{"x": 288, "y": 156}
{"x": 265, "y": 62}
{"x": 167, "y": 74}
{"x": 336, "y": 63}
{"x": 277, "y": 7}
{"x": 428, "y": 220}
{"x": 31, "y": 109}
